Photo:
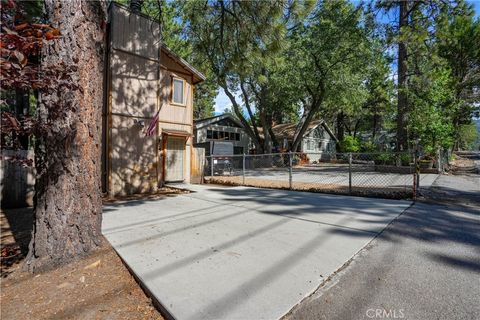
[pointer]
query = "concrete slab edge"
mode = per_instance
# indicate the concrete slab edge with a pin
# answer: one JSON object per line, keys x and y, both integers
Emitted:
{"x": 165, "y": 312}
{"x": 179, "y": 188}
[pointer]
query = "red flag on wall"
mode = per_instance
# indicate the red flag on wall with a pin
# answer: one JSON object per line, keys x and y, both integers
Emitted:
{"x": 152, "y": 126}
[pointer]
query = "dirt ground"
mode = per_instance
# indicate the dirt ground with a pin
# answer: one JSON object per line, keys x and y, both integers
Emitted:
{"x": 462, "y": 162}
{"x": 391, "y": 193}
{"x": 95, "y": 287}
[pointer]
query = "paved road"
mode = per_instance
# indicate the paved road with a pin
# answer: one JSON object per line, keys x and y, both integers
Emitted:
{"x": 241, "y": 253}
{"x": 426, "y": 265}
{"x": 464, "y": 189}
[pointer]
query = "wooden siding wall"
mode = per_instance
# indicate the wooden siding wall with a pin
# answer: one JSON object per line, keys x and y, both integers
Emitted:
{"x": 140, "y": 82}
{"x": 172, "y": 116}
{"x": 133, "y": 98}
{"x": 17, "y": 182}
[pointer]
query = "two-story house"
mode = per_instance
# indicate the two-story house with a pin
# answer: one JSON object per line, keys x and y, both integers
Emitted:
{"x": 145, "y": 82}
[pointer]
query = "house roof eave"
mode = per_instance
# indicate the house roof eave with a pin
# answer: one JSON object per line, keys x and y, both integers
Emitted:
{"x": 197, "y": 75}
{"x": 208, "y": 121}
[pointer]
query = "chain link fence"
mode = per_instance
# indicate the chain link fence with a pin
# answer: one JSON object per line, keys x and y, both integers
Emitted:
{"x": 389, "y": 175}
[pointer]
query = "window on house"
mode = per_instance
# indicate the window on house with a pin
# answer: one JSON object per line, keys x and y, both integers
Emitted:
{"x": 215, "y": 134}
{"x": 178, "y": 95}
{"x": 237, "y": 136}
{"x": 227, "y": 135}
{"x": 209, "y": 134}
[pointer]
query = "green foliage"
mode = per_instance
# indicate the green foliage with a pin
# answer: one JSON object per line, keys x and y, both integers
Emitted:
{"x": 429, "y": 120}
{"x": 350, "y": 144}
{"x": 295, "y": 61}
{"x": 406, "y": 159}
{"x": 368, "y": 146}
{"x": 458, "y": 38}
{"x": 329, "y": 58}
{"x": 242, "y": 43}
{"x": 441, "y": 39}
{"x": 468, "y": 137}
{"x": 385, "y": 158}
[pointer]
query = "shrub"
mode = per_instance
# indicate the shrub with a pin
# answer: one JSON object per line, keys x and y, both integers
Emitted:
{"x": 350, "y": 144}
{"x": 384, "y": 159}
{"x": 406, "y": 159}
{"x": 368, "y": 146}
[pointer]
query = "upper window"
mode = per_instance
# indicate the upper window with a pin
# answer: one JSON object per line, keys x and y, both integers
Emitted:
{"x": 178, "y": 95}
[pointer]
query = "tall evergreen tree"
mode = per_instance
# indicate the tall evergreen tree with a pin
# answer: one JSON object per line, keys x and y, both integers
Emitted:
{"x": 68, "y": 206}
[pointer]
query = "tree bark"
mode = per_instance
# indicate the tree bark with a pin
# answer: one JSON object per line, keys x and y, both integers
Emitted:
{"x": 340, "y": 129}
{"x": 250, "y": 113}
{"x": 402, "y": 102}
{"x": 303, "y": 124}
{"x": 68, "y": 203}
{"x": 238, "y": 113}
{"x": 375, "y": 121}
{"x": 308, "y": 113}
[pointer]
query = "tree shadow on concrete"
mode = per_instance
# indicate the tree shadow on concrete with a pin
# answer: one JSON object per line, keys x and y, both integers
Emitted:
{"x": 16, "y": 233}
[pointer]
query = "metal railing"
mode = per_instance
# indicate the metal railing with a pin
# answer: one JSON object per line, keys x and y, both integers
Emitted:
{"x": 391, "y": 175}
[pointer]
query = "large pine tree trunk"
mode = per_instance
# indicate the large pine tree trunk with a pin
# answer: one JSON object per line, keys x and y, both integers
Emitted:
{"x": 402, "y": 102}
{"x": 68, "y": 205}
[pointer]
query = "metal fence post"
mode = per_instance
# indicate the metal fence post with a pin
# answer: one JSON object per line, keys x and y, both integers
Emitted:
{"x": 417, "y": 170}
{"x": 243, "y": 170}
{"x": 414, "y": 182}
{"x": 211, "y": 166}
{"x": 290, "y": 160}
{"x": 439, "y": 161}
{"x": 416, "y": 174}
{"x": 350, "y": 173}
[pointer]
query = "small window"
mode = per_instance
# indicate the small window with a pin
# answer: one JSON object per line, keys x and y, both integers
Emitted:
{"x": 237, "y": 136}
{"x": 215, "y": 135}
{"x": 209, "y": 134}
{"x": 178, "y": 95}
{"x": 227, "y": 135}
{"x": 232, "y": 135}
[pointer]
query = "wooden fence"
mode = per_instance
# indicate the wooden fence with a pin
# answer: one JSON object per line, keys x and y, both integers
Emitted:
{"x": 17, "y": 182}
{"x": 197, "y": 165}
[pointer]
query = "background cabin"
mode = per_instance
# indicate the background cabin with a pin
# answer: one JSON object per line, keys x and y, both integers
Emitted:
{"x": 225, "y": 128}
{"x": 317, "y": 142}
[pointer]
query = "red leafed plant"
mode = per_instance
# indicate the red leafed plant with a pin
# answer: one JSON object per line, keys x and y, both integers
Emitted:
{"x": 21, "y": 43}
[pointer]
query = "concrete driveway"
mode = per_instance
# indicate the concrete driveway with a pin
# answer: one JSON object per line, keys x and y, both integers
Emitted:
{"x": 239, "y": 252}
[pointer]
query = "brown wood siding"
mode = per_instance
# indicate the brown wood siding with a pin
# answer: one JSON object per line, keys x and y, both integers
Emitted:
{"x": 137, "y": 92}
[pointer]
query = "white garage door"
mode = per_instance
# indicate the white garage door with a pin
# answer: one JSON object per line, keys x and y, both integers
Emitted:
{"x": 175, "y": 159}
